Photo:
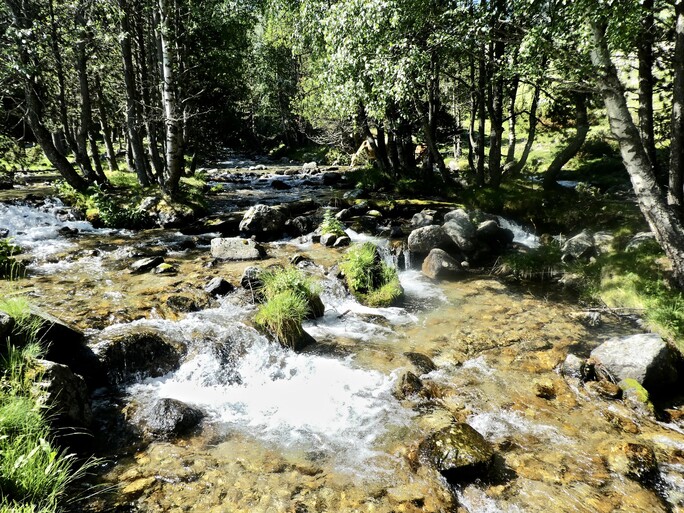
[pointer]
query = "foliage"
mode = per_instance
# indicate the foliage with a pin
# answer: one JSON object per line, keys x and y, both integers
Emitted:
{"x": 540, "y": 263}
{"x": 9, "y": 267}
{"x": 370, "y": 279}
{"x": 331, "y": 225}
{"x": 277, "y": 281}
{"x": 282, "y": 315}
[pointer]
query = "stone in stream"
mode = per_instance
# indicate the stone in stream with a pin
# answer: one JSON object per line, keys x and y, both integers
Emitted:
{"x": 407, "y": 385}
{"x": 341, "y": 242}
{"x": 579, "y": 247}
{"x": 4, "y": 233}
{"x": 263, "y": 222}
{"x": 645, "y": 358}
{"x": 573, "y": 367}
{"x": 235, "y": 248}
{"x": 279, "y": 185}
{"x": 458, "y": 452}
{"x": 421, "y": 362}
{"x": 633, "y": 460}
{"x": 423, "y": 240}
{"x": 136, "y": 353}
{"x": 167, "y": 418}
{"x": 64, "y": 393}
{"x": 219, "y": 287}
{"x": 183, "y": 304}
{"x": 439, "y": 264}
{"x": 328, "y": 239}
{"x": 424, "y": 218}
{"x": 490, "y": 233}
{"x": 146, "y": 264}
{"x": 166, "y": 268}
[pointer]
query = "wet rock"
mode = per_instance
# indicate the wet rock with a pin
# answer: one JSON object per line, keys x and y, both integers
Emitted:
{"x": 251, "y": 279}
{"x": 544, "y": 388}
{"x": 166, "y": 268}
{"x": 182, "y": 304}
{"x": 460, "y": 230}
{"x": 424, "y": 218}
{"x": 134, "y": 353}
{"x": 439, "y": 264}
{"x": 421, "y": 362}
{"x": 300, "y": 225}
{"x": 458, "y": 452}
{"x": 236, "y": 248}
{"x": 263, "y": 222}
{"x": 225, "y": 224}
{"x": 316, "y": 307}
{"x": 572, "y": 367}
{"x": 328, "y": 239}
{"x": 167, "y": 418}
{"x": 138, "y": 486}
{"x": 644, "y": 357}
{"x": 636, "y": 396}
{"x": 331, "y": 178}
{"x": 342, "y": 242}
{"x": 6, "y": 182}
{"x": 423, "y": 240}
{"x": 605, "y": 389}
{"x": 65, "y": 394}
{"x": 66, "y": 345}
{"x": 279, "y": 185}
{"x": 146, "y": 264}
{"x": 496, "y": 238}
{"x": 4, "y": 233}
{"x": 634, "y": 460}
{"x": 68, "y": 232}
{"x": 579, "y": 247}
{"x": 310, "y": 166}
{"x": 219, "y": 287}
{"x": 407, "y": 385}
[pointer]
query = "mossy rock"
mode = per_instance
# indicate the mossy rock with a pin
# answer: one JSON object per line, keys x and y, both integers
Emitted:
{"x": 387, "y": 295}
{"x": 368, "y": 278}
{"x": 636, "y": 395}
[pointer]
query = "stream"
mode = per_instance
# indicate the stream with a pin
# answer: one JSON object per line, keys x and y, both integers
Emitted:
{"x": 322, "y": 430}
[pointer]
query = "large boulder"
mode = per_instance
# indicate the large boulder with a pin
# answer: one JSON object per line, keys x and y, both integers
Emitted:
{"x": 490, "y": 233}
{"x": 235, "y": 248}
{"x": 65, "y": 344}
{"x": 263, "y": 222}
{"x": 167, "y": 418}
{"x": 645, "y": 358}
{"x": 133, "y": 353}
{"x": 424, "y": 218}
{"x": 65, "y": 394}
{"x": 423, "y": 240}
{"x": 579, "y": 247}
{"x": 460, "y": 229}
{"x": 458, "y": 452}
{"x": 438, "y": 264}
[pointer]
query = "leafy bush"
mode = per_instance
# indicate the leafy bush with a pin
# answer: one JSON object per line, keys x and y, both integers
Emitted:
{"x": 371, "y": 280}
{"x": 331, "y": 225}
{"x": 282, "y": 317}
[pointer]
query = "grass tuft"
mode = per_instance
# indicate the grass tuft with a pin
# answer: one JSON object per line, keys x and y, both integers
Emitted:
{"x": 369, "y": 279}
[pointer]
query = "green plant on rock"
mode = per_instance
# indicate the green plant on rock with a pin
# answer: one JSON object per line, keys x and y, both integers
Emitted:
{"x": 372, "y": 281}
{"x": 282, "y": 317}
{"x": 276, "y": 281}
{"x": 331, "y": 225}
{"x": 10, "y": 268}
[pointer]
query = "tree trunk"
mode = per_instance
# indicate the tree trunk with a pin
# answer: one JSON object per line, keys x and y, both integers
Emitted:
{"x": 574, "y": 144}
{"x": 482, "y": 120}
{"x": 646, "y": 81}
{"x": 172, "y": 113}
{"x": 531, "y": 133}
{"x": 512, "y": 120}
{"x": 676, "y": 171}
{"x": 132, "y": 99}
{"x": 664, "y": 223}
{"x": 104, "y": 123}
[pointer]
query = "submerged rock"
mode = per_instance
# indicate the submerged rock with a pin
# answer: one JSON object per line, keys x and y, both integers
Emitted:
{"x": 458, "y": 452}
{"x": 137, "y": 353}
{"x": 421, "y": 362}
{"x": 439, "y": 264}
{"x": 235, "y": 248}
{"x": 645, "y": 358}
{"x": 634, "y": 460}
{"x": 167, "y": 418}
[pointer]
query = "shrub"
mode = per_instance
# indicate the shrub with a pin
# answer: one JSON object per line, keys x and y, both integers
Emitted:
{"x": 282, "y": 317}
{"x": 331, "y": 225}
{"x": 368, "y": 278}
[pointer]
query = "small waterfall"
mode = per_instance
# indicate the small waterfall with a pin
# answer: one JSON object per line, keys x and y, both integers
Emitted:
{"x": 521, "y": 235}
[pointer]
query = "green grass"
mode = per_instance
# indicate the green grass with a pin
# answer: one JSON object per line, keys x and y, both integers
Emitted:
{"x": 368, "y": 278}
{"x": 10, "y": 268}
{"x": 331, "y": 225}
{"x": 277, "y": 281}
{"x": 282, "y": 317}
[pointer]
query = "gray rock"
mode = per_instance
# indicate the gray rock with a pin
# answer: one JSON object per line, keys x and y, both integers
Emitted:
{"x": 439, "y": 264}
{"x": 182, "y": 304}
{"x": 146, "y": 264}
{"x": 65, "y": 394}
{"x": 573, "y": 367}
{"x": 423, "y": 240}
{"x": 424, "y": 218}
{"x": 310, "y": 166}
{"x": 328, "y": 239}
{"x": 639, "y": 239}
{"x": 219, "y": 287}
{"x": 489, "y": 232}
{"x": 236, "y": 248}
{"x": 581, "y": 246}
{"x": 251, "y": 279}
{"x": 168, "y": 418}
{"x": 6, "y": 325}
{"x": 353, "y": 194}
{"x": 421, "y": 362}
{"x": 279, "y": 185}
{"x": 263, "y": 222}
{"x": 460, "y": 230}
{"x": 342, "y": 242}
{"x": 134, "y": 353}
{"x": 458, "y": 452}
{"x": 645, "y": 358}
{"x": 604, "y": 241}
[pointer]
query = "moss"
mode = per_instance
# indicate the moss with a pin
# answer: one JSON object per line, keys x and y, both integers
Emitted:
{"x": 386, "y": 295}
{"x": 368, "y": 278}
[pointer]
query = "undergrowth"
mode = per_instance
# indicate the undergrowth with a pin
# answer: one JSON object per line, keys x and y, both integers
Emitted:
{"x": 331, "y": 225}
{"x": 10, "y": 268}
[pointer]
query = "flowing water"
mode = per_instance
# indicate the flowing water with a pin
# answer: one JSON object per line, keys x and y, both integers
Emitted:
{"x": 322, "y": 431}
